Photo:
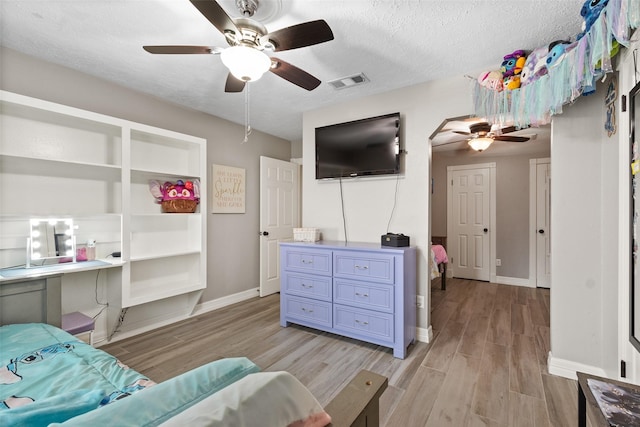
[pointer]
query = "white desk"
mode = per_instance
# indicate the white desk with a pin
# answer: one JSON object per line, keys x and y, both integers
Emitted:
{"x": 35, "y": 294}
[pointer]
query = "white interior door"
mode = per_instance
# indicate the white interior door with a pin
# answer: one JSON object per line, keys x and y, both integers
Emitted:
{"x": 543, "y": 225}
{"x": 469, "y": 222}
{"x": 278, "y": 216}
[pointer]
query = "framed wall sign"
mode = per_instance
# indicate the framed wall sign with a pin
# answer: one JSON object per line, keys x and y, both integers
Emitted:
{"x": 634, "y": 173}
{"x": 228, "y": 189}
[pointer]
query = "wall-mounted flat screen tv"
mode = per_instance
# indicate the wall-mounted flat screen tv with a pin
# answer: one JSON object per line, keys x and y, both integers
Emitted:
{"x": 364, "y": 147}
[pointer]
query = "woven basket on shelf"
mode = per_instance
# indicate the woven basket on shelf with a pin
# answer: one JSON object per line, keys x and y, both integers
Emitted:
{"x": 179, "y": 206}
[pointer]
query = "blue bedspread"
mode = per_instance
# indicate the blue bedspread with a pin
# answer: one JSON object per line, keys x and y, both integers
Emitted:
{"x": 40, "y": 363}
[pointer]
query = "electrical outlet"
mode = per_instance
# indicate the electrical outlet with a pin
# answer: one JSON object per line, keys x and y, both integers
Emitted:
{"x": 498, "y": 262}
{"x": 420, "y": 301}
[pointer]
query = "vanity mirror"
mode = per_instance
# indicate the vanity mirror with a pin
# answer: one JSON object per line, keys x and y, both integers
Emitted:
{"x": 50, "y": 239}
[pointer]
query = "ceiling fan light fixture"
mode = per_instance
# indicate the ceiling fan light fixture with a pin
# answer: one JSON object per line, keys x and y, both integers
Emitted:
{"x": 480, "y": 144}
{"x": 245, "y": 63}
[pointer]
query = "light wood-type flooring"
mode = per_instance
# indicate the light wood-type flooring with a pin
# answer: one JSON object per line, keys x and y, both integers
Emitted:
{"x": 486, "y": 365}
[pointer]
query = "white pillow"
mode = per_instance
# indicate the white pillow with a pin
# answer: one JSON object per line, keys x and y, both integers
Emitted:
{"x": 261, "y": 399}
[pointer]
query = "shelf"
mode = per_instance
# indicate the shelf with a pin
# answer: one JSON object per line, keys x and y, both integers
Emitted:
{"x": 164, "y": 277}
{"x": 164, "y": 153}
{"x": 158, "y": 256}
{"x": 33, "y": 132}
{"x": 19, "y": 164}
{"x": 60, "y": 161}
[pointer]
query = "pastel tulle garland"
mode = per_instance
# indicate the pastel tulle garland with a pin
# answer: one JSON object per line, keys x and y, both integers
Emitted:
{"x": 587, "y": 61}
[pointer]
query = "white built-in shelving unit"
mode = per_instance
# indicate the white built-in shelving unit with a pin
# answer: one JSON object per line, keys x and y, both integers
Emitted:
{"x": 61, "y": 161}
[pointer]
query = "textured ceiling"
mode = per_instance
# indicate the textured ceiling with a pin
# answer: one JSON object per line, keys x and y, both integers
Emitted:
{"x": 395, "y": 43}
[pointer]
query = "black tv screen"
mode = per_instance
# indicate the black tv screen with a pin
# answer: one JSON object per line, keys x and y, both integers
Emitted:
{"x": 362, "y": 147}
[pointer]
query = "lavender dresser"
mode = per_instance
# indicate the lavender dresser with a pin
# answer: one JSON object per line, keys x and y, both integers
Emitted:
{"x": 359, "y": 290}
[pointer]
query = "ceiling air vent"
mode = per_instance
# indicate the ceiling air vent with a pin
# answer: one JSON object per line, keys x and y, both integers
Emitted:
{"x": 345, "y": 82}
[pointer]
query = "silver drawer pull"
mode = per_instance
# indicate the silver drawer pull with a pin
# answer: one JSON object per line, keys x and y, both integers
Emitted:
{"x": 304, "y": 285}
{"x": 362, "y": 295}
{"x": 307, "y": 261}
{"x": 362, "y": 267}
{"x": 361, "y": 322}
{"x": 306, "y": 310}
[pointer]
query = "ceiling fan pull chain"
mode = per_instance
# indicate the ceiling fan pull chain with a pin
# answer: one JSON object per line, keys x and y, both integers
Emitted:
{"x": 247, "y": 126}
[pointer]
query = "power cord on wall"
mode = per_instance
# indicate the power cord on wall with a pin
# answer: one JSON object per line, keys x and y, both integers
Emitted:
{"x": 344, "y": 220}
{"x": 395, "y": 201}
{"x": 103, "y": 304}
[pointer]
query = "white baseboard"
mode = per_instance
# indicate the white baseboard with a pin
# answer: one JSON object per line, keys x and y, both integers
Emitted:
{"x": 514, "y": 281}
{"x": 215, "y": 304}
{"x": 424, "y": 335}
{"x": 171, "y": 318}
{"x": 138, "y": 328}
{"x": 568, "y": 368}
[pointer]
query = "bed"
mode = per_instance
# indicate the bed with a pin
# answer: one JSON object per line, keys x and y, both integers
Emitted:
{"x": 439, "y": 259}
{"x": 50, "y": 378}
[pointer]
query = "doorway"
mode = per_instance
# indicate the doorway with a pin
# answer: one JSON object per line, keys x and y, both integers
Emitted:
{"x": 540, "y": 222}
{"x": 471, "y": 221}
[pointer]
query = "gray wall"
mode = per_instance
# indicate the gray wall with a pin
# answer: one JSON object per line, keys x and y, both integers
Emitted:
{"x": 512, "y": 205}
{"x": 232, "y": 241}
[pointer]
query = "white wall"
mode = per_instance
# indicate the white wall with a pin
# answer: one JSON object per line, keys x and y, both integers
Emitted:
{"x": 584, "y": 221}
{"x": 368, "y": 202}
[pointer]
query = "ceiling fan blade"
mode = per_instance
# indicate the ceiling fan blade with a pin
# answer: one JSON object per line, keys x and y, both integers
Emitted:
{"x": 233, "y": 84}
{"x": 461, "y": 132}
{"x": 216, "y": 15}
{"x": 293, "y": 74}
{"x": 183, "y": 49}
{"x": 511, "y": 138}
{"x": 300, "y": 35}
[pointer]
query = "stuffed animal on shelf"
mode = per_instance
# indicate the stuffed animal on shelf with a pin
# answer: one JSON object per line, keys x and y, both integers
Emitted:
{"x": 513, "y": 63}
{"x": 492, "y": 80}
{"x": 181, "y": 196}
{"x": 590, "y": 11}
{"x": 535, "y": 66}
{"x": 511, "y": 82}
{"x": 557, "y": 51}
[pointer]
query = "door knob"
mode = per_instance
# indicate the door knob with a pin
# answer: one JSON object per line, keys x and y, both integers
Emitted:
{"x": 486, "y": 230}
{"x": 264, "y": 233}
{"x": 541, "y": 231}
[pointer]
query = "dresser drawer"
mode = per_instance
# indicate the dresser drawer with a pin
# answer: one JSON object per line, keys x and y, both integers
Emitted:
{"x": 318, "y": 262}
{"x": 363, "y": 295}
{"x": 379, "y": 268}
{"x": 306, "y": 285}
{"x": 367, "y": 323}
{"x": 311, "y": 311}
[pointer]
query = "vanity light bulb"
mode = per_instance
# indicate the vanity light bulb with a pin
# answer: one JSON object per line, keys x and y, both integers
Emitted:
{"x": 68, "y": 232}
{"x": 36, "y": 245}
{"x": 35, "y": 233}
{"x": 35, "y": 255}
{"x": 68, "y": 243}
{"x": 69, "y": 253}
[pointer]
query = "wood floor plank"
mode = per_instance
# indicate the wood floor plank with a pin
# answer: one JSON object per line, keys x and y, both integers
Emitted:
{"x": 543, "y": 346}
{"x": 527, "y": 411}
{"x": 444, "y": 348}
{"x": 417, "y": 402}
{"x": 562, "y": 401}
{"x": 521, "y": 320}
{"x": 491, "y": 396}
{"x": 453, "y": 404}
{"x": 475, "y": 335}
{"x": 525, "y": 374}
{"x": 500, "y": 326}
